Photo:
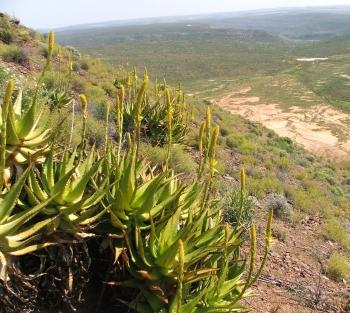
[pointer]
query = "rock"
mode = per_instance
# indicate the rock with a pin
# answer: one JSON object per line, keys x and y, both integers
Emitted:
{"x": 280, "y": 205}
{"x": 346, "y": 225}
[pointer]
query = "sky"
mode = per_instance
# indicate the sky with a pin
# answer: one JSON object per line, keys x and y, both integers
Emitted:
{"x": 59, "y": 13}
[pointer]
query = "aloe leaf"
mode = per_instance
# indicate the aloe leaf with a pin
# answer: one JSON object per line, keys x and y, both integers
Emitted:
{"x": 170, "y": 232}
{"x": 31, "y": 230}
{"x": 48, "y": 174}
{"x": 17, "y": 106}
{"x": 31, "y": 249}
{"x": 19, "y": 219}
{"x": 60, "y": 187}
{"x": 39, "y": 140}
{"x": 27, "y": 123}
{"x": 34, "y": 185}
{"x": 168, "y": 257}
{"x": 76, "y": 192}
{"x": 9, "y": 201}
{"x": 12, "y": 137}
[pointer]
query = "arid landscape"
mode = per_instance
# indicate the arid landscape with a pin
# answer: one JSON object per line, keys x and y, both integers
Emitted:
{"x": 179, "y": 164}
{"x": 321, "y": 129}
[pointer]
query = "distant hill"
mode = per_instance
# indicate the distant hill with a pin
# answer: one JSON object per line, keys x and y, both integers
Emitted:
{"x": 308, "y": 23}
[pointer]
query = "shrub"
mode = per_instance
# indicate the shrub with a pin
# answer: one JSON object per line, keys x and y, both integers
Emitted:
{"x": 4, "y": 75}
{"x": 25, "y": 35}
{"x": 279, "y": 233}
{"x": 283, "y": 163}
{"x": 14, "y": 54}
{"x": 7, "y": 36}
{"x": 282, "y": 143}
{"x": 338, "y": 267}
{"x": 234, "y": 141}
{"x": 84, "y": 65}
{"x": 78, "y": 85}
{"x": 267, "y": 184}
{"x": 311, "y": 200}
{"x": 326, "y": 175}
{"x": 334, "y": 230}
{"x": 280, "y": 206}
{"x": 53, "y": 80}
{"x": 247, "y": 147}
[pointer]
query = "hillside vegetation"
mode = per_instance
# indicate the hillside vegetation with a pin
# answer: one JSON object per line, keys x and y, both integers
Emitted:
{"x": 308, "y": 195}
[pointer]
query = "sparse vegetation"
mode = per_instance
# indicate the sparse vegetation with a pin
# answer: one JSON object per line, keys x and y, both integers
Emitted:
{"x": 15, "y": 54}
{"x": 334, "y": 230}
{"x": 7, "y": 35}
{"x": 317, "y": 190}
{"x": 338, "y": 267}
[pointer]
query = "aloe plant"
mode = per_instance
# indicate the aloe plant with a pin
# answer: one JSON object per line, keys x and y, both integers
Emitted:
{"x": 179, "y": 255}
{"x": 24, "y": 137}
{"x": 157, "y": 106}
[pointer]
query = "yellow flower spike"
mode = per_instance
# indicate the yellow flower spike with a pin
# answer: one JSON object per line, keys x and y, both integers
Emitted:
{"x": 242, "y": 180}
{"x": 208, "y": 119}
{"x": 268, "y": 238}
{"x": 169, "y": 108}
{"x": 108, "y": 108}
{"x": 70, "y": 66}
{"x": 135, "y": 74}
{"x": 122, "y": 94}
{"x": 138, "y": 111}
{"x": 83, "y": 101}
{"x": 51, "y": 46}
{"x": 200, "y": 150}
{"x": 118, "y": 112}
{"x": 7, "y": 99}
{"x": 145, "y": 73}
{"x": 212, "y": 147}
{"x": 201, "y": 137}
{"x": 51, "y": 40}
{"x": 214, "y": 139}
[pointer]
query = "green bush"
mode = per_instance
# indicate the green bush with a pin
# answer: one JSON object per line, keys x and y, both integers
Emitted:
{"x": 3, "y": 76}
{"x": 247, "y": 147}
{"x": 334, "y": 230}
{"x": 311, "y": 200}
{"x": 53, "y": 80}
{"x": 338, "y": 267}
{"x": 283, "y": 163}
{"x": 78, "y": 85}
{"x": 7, "y": 36}
{"x": 84, "y": 65}
{"x": 267, "y": 184}
{"x": 234, "y": 141}
{"x": 14, "y": 54}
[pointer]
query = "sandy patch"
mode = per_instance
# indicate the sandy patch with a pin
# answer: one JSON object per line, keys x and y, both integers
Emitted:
{"x": 312, "y": 59}
{"x": 315, "y": 127}
{"x": 345, "y": 76}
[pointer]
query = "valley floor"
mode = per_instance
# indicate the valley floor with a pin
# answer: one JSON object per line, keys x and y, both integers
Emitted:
{"x": 318, "y": 128}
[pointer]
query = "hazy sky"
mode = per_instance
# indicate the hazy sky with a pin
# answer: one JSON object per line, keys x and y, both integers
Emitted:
{"x": 57, "y": 13}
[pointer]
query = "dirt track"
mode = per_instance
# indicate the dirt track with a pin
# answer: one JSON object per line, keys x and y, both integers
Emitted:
{"x": 321, "y": 129}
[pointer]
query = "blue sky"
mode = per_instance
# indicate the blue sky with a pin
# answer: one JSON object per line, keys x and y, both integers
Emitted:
{"x": 57, "y": 13}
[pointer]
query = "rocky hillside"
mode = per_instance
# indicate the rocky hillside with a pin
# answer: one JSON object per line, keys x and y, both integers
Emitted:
{"x": 308, "y": 268}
